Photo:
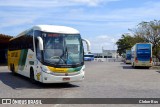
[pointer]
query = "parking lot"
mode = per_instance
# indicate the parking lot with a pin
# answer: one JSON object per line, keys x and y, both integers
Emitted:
{"x": 102, "y": 80}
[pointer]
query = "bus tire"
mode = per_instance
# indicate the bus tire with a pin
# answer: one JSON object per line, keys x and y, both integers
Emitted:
{"x": 32, "y": 76}
{"x": 135, "y": 67}
{"x": 132, "y": 65}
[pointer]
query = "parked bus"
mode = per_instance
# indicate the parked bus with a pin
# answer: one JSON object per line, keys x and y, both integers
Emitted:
{"x": 141, "y": 55}
{"x": 128, "y": 57}
{"x": 88, "y": 57}
{"x": 48, "y": 54}
{"x": 99, "y": 57}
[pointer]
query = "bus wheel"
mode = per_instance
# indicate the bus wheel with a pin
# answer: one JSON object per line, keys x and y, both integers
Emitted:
{"x": 32, "y": 76}
{"x": 135, "y": 67}
{"x": 132, "y": 65}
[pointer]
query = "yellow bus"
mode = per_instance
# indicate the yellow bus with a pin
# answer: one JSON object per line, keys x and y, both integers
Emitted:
{"x": 48, "y": 54}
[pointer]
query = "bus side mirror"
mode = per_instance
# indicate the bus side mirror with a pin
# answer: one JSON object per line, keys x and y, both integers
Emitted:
{"x": 40, "y": 43}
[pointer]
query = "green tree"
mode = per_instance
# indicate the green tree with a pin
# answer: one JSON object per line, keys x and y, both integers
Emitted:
{"x": 126, "y": 42}
{"x": 150, "y": 32}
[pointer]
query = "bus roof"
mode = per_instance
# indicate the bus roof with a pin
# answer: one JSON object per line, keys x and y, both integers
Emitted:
{"x": 51, "y": 29}
{"x": 128, "y": 51}
{"x": 56, "y": 29}
{"x": 143, "y": 43}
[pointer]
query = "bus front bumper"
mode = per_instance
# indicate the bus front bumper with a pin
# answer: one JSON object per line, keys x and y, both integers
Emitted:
{"x": 141, "y": 64}
{"x": 128, "y": 61}
{"x": 49, "y": 78}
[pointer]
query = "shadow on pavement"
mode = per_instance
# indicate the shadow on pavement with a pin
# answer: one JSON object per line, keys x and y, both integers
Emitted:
{"x": 158, "y": 71}
{"x": 21, "y": 82}
{"x": 127, "y": 67}
{"x": 122, "y": 63}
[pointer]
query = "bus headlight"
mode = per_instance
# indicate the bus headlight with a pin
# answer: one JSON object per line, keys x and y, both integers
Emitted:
{"x": 44, "y": 69}
{"x": 82, "y": 70}
{"x": 48, "y": 71}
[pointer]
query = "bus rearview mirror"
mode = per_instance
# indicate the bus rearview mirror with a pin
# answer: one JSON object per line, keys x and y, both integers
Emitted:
{"x": 40, "y": 43}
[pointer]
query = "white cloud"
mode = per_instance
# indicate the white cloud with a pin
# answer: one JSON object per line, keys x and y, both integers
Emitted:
{"x": 52, "y": 3}
{"x": 105, "y": 41}
{"x": 89, "y": 2}
{"x": 93, "y": 2}
{"x": 109, "y": 19}
{"x": 15, "y": 22}
{"x": 146, "y": 12}
{"x": 106, "y": 38}
{"x": 32, "y": 3}
{"x": 107, "y": 22}
{"x": 14, "y": 18}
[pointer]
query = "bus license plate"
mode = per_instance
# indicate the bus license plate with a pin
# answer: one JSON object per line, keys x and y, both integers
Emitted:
{"x": 66, "y": 79}
{"x": 143, "y": 63}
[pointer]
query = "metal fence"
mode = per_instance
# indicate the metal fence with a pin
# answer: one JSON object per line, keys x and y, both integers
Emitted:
{"x": 108, "y": 59}
{"x": 156, "y": 62}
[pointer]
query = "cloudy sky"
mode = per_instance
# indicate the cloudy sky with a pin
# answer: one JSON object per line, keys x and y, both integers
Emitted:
{"x": 102, "y": 22}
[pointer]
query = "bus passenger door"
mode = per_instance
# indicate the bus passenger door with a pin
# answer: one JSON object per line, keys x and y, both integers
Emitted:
{"x": 38, "y": 60}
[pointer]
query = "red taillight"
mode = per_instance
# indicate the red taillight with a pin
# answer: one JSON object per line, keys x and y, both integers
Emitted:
{"x": 136, "y": 60}
{"x": 151, "y": 60}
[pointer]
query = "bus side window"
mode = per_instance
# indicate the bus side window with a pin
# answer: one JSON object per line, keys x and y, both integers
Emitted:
{"x": 38, "y": 51}
{"x": 29, "y": 38}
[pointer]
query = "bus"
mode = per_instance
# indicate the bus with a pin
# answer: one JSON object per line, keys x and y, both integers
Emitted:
{"x": 99, "y": 57}
{"x": 88, "y": 57}
{"x": 141, "y": 55}
{"x": 48, "y": 54}
{"x": 128, "y": 57}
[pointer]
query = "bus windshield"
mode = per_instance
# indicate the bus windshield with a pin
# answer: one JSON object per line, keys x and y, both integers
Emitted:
{"x": 128, "y": 55}
{"x": 65, "y": 49}
{"x": 143, "y": 51}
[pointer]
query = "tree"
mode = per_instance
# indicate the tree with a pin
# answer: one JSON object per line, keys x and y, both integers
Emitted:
{"x": 126, "y": 42}
{"x": 150, "y": 32}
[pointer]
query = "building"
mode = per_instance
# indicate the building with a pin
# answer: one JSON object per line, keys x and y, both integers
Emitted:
{"x": 106, "y": 54}
{"x": 109, "y": 53}
{"x": 4, "y": 42}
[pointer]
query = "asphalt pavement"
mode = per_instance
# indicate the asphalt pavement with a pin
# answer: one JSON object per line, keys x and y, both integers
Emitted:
{"x": 102, "y": 80}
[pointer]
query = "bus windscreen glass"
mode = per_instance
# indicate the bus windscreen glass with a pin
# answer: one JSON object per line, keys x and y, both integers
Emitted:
{"x": 144, "y": 52}
{"x": 65, "y": 49}
{"x": 128, "y": 55}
